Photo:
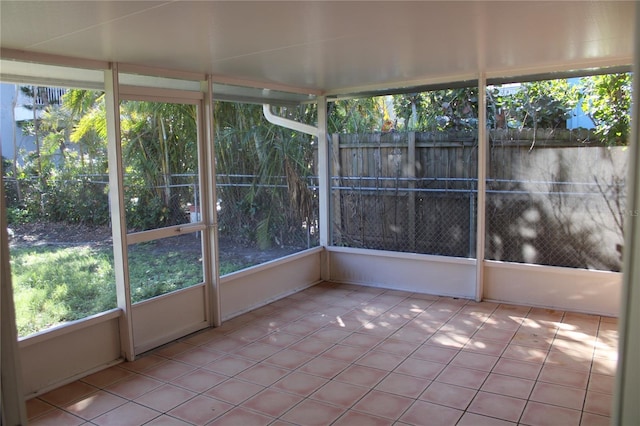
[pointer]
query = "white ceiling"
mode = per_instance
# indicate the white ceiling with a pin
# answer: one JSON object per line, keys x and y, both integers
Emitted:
{"x": 329, "y": 47}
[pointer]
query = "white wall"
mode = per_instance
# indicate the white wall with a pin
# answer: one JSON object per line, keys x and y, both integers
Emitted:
{"x": 595, "y": 292}
{"x": 58, "y": 356}
{"x": 251, "y": 288}
{"x": 445, "y": 276}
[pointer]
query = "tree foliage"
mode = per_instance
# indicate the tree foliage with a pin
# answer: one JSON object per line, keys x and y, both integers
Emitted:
{"x": 54, "y": 179}
{"x": 159, "y": 141}
{"x": 263, "y": 174}
{"x": 538, "y": 104}
{"x": 607, "y": 101}
{"x": 438, "y": 110}
{"x": 360, "y": 115}
{"x": 548, "y": 104}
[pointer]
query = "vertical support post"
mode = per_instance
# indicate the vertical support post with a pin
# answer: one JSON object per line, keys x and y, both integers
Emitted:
{"x": 482, "y": 185}
{"x": 411, "y": 202}
{"x": 472, "y": 224}
{"x": 118, "y": 220}
{"x": 324, "y": 192}
{"x": 12, "y": 408}
{"x": 626, "y": 410}
{"x": 336, "y": 209}
{"x": 208, "y": 200}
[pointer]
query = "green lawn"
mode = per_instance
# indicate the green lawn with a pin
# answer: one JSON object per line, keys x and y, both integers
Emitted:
{"x": 55, "y": 284}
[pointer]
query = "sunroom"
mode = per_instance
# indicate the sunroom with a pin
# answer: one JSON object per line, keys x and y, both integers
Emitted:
{"x": 385, "y": 182}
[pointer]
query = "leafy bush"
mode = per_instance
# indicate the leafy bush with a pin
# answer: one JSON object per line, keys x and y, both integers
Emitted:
{"x": 16, "y": 215}
{"x": 76, "y": 201}
{"x": 539, "y": 104}
{"x": 146, "y": 212}
{"x": 64, "y": 196}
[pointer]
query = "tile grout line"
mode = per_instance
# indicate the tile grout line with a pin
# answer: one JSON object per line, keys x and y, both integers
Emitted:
{"x": 388, "y": 304}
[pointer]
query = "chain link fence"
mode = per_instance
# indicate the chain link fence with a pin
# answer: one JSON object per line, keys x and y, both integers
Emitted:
{"x": 551, "y": 205}
{"x": 255, "y": 212}
{"x": 558, "y": 204}
{"x": 421, "y": 219}
{"x": 577, "y": 225}
{"x": 407, "y": 192}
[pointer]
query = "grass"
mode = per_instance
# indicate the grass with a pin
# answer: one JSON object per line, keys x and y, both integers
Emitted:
{"x": 54, "y": 284}
{"x": 154, "y": 272}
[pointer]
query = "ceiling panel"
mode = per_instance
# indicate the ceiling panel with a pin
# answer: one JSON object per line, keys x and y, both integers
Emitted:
{"x": 547, "y": 33}
{"x": 329, "y": 46}
{"x": 27, "y": 24}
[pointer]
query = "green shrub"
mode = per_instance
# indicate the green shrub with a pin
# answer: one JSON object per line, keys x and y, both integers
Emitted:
{"x": 18, "y": 216}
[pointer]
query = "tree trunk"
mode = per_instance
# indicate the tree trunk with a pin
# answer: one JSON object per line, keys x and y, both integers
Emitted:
{"x": 34, "y": 102}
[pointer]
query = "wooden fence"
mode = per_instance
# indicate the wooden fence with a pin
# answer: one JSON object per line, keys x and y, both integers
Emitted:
{"x": 392, "y": 191}
{"x": 417, "y": 192}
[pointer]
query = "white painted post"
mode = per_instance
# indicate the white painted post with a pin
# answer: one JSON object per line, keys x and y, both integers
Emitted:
{"x": 116, "y": 201}
{"x": 482, "y": 184}
{"x": 208, "y": 201}
{"x": 335, "y": 209}
{"x": 626, "y": 410}
{"x": 411, "y": 200}
{"x": 324, "y": 192}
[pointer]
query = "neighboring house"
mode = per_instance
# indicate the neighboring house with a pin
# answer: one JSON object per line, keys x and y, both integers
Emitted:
{"x": 9, "y": 125}
{"x": 579, "y": 120}
{"x": 12, "y": 98}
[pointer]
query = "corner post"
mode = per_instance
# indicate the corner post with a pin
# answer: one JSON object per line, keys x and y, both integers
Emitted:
{"x": 482, "y": 185}
{"x": 324, "y": 192}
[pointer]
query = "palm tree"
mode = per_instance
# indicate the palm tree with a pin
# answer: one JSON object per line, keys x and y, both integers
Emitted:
{"x": 90, "y": 127}
{"x": 263, "y": 175}
{"x": 159, "y": 141}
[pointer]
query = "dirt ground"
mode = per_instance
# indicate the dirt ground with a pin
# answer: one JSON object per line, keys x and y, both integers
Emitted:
{"x": 71, "y": 235}
{"x": 44, "y": 233}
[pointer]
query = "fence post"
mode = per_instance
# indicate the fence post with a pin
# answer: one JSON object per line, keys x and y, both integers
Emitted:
{"x": 411, "y": 202}
{"x": 337, "y": 204}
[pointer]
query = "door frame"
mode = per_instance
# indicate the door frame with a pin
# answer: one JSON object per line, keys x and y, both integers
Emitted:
{"x": 140, "y": 323}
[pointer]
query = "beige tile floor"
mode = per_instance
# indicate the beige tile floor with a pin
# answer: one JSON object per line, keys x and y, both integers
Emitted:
{"x": 347, "y": 355}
